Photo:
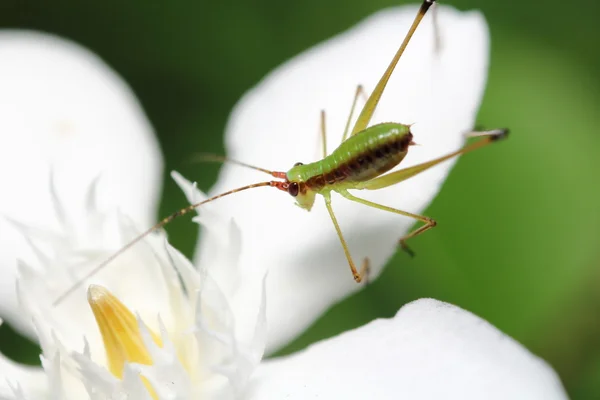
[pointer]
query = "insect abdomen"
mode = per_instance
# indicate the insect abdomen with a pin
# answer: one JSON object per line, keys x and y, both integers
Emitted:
{"x": 364, "y": 156}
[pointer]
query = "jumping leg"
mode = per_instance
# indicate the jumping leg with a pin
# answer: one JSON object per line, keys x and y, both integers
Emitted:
{"x": 398, "y": 176}
{"x": 367, "y": 112}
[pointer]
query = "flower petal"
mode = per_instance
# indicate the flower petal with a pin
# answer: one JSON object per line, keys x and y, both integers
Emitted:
{"x": 247, "y": 300}
{"x": 200, "y": 346}
{"x": 277, "y": 123}
{"x": 66, "y": 114}
{"x": 136, "y": 277}
{"x": 429, "y": 350}
{"x": 100, "y": 384}
{"x": 225, "y": 238}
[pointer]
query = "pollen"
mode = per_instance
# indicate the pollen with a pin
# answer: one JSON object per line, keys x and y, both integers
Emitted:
{"x": 120, "y": 332}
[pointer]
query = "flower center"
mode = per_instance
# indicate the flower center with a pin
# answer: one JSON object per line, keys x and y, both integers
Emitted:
{"x": 120, "y": 332}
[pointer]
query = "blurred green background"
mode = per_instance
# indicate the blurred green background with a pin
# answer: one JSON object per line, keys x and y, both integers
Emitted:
{"x": 519, "y": 223}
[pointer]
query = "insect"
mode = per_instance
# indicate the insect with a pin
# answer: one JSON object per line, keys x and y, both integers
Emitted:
{"x": 362, "y": 161}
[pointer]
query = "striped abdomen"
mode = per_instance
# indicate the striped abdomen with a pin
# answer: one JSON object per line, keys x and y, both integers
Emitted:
{"x": 362, "y": 157}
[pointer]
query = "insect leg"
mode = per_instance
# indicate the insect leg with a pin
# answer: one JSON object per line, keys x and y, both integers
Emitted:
{"x": 437, "y": 40}
{"x": 323, "y": 134}
{"x": 359, "y": 91}
{"x": 367, "y": 112}
{"x": 364, "y": 269}
{"x": 429, "y": 223}
{"x": 403, "y": 174}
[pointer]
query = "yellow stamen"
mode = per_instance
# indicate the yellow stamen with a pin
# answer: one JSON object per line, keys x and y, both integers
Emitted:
{"x": 120, "y": 332}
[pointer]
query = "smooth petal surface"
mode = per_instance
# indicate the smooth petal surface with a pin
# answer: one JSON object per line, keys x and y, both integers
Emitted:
{"x": 429, "y": 350}
{"x": 66, "y": 119}
{"x": 277, "y": 124}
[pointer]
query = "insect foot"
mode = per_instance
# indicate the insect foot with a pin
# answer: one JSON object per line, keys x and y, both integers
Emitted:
{"x": 429, "y": 223}
{"x": 407, "y": 249}
{"x": 363, "y": 274}
{"x": 499, "y": 134}
{"x": 493, "y": 135}
{"x": 365, "y": 270}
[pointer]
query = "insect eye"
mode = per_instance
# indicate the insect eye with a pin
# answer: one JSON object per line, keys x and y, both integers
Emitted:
{"x": 298, "y": 164}
{"x": 293, "y": 189}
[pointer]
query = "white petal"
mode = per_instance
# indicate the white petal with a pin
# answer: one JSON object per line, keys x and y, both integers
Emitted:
{"x": 429, "y": 350}
{"x": 224, "y": 254}
{"x": 166, "y": 375}
{"x": 101, "y": 384}
{"x": 53, "y": 371}
{"x": 26, "y": 382}
{"x": 62, "y": 110}
{"x": 247, "y": 300}
{"x": 276, "y": 124}
{"x": 137, "y": 277}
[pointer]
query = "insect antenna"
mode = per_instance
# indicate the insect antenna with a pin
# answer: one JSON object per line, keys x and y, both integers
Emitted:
{"x": 207, "y": 157}
{"x": 163, "y": 222}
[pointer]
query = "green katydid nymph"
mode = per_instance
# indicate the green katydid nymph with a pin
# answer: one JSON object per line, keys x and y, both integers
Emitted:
{"x": 362, "y": 161}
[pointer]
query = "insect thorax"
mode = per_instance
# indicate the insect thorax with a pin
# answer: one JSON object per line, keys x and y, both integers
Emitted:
{"x": 363, "y": 156}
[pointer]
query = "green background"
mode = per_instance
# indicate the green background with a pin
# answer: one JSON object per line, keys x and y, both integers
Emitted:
{"x": 517, "y": 247}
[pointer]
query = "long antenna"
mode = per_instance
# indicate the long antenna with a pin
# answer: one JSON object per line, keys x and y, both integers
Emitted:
{"x": 159, "y": 225}
{"x": 223, "y": 159}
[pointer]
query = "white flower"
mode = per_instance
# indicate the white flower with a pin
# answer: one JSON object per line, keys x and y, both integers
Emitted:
{"x": 64, "y": 113}
{"x": 162, "y": 329}
{"x": 81, "y": 187}
{"x": 182, "y": 338}
{"x": 429, "y": 350}
{"x": 277, "y": 124}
